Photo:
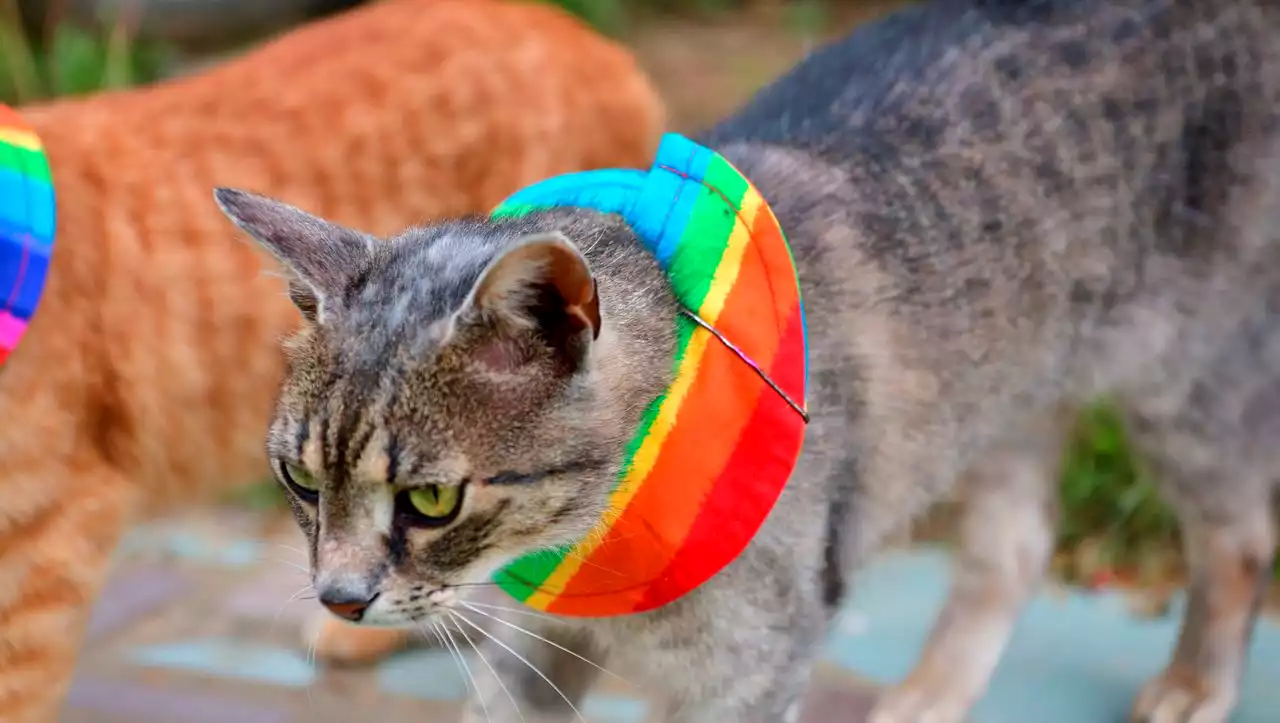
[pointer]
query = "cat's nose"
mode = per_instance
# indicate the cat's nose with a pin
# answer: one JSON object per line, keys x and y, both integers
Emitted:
{"x": 346, "y": 603}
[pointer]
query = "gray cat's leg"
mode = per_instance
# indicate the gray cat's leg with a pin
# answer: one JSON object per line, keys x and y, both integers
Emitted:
{"x": 760, "y": 695}
{"x": 739, "y": 654}
{"x": 1006, "y": 540}
{"x": 1230, "y": 542}
{"x": 1230, "y": 565}
{"x": 782, "y": 705}
{"x": 507, "y": 689}
{"x": 740, "y": 649}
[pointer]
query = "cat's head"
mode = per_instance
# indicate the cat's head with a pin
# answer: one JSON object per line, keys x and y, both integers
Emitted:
{"x": 458, "y": 395}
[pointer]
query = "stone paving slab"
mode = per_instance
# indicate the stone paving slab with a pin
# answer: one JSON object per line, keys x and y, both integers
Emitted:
{"x": 197, "y": 625}
{"x": 1075, "y": 657}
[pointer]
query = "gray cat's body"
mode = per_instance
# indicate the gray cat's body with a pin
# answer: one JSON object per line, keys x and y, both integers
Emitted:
{"x": 998, "y": 210}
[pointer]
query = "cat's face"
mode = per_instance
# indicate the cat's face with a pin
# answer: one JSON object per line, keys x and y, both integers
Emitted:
{"x": 442, "y": 413}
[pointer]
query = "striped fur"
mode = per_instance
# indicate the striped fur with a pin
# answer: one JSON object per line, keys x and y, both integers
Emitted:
{"x": 147, "y": 375}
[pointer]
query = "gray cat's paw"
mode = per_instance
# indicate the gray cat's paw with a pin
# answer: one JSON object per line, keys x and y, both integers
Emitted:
{"x": 908, "y": 704}
{"x": 1172, "y": 698}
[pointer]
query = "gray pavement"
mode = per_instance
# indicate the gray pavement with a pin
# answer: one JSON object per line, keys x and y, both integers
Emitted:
{"x": 196, "y": 626}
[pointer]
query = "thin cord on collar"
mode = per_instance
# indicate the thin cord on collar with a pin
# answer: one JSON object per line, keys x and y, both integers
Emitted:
{"x": 749, "y": 362}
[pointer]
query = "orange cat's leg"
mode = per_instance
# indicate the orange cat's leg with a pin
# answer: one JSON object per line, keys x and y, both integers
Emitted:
{"x": 58, "y": 527}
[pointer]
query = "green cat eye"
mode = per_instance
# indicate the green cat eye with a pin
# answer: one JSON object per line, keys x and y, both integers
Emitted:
{"x": 438, "y": 504}
{"x": 300, "y": 480}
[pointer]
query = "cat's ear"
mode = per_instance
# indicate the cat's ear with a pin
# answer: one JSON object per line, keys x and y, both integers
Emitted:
{"x": 542, "y": 283}
{"x": 320, "y": 256}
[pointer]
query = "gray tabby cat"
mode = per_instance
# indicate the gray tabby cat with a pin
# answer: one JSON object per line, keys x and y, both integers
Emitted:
{"x": 998, "y": 209}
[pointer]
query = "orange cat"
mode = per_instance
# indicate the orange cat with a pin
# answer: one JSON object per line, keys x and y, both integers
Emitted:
{"x": 148, "y": 373}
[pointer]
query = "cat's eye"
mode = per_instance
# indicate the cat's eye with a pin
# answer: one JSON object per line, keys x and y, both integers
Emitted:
{"x": 300, "y": 481}
{"x": 432, "y": 505}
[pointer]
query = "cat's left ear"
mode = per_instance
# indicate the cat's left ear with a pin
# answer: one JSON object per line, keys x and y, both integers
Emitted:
{"x": 542, "y": 283}
{"x": 321, "y": 256}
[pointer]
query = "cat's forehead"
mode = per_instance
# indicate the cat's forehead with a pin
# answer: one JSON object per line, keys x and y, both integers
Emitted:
{"x": 427, "y": 270}
{"x": 417, "y": 280}
{"x": 414, "y": 283}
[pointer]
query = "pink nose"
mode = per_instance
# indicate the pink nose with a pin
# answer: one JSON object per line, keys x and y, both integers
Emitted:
{"x": 346, "y": 606}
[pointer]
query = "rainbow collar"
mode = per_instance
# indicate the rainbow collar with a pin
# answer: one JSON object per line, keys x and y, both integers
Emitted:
{"x": 715, "y": 450}
{"x": 26, "y": 226}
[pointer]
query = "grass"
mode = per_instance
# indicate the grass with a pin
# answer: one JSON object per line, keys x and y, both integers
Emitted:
{"x": 1112, "y": 516}
{"x": 70, "y": 60}
{"x": 613, "y": 17}
{"x": 1114, "y": 522}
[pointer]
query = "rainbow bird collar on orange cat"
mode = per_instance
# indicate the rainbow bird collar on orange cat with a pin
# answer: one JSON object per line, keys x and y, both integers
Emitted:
{"x": 715, "y": 450}
{"x": 26, "y": 226}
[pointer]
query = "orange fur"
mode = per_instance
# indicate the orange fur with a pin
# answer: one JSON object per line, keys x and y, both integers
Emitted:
{"x": 147, "y": 377}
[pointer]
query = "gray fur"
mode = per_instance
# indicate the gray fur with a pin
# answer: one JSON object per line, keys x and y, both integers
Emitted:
{"x": 999, "y": 210}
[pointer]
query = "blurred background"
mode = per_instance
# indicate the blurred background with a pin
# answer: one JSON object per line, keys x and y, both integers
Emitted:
{"x": 706, "y": 57}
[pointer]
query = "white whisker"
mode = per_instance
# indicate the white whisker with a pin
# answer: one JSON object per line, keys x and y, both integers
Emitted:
{"x": 311, "y": 648}
{"x": 553, "y": 644}
{"x": 584, "y": 561}
{"x": 459, "y": 616}
{"x": 300, "y": 593}
{"x": 492, "y": 672}
{"x": 517, "y": 611}
{"x": 467, "y": 669}
{"x": 435, "y": 630}
{"x": 436, "y": 625}
{"x": 294, "y": 565}
{"x": 311, "y": 661}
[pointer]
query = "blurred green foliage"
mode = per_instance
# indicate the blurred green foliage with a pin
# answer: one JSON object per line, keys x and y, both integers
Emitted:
{"x": 261, "y": 496}
{"x": 1109, "y": 505}
{"x": 614, "y": 16}
{"x": 70, "y": 60}
{"x": 1107, "y": 499}
{"x": 608, "y": 16}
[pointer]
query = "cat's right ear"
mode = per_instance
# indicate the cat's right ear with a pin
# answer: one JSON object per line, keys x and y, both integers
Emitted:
{"x": 320, "y": 256}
